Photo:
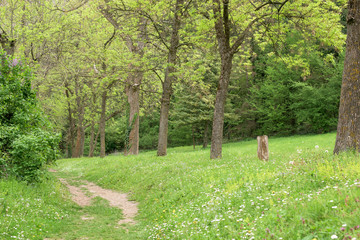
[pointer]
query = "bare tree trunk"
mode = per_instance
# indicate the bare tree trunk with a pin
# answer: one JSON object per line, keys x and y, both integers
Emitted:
{"x": 263, "y": 148}
{"x": 348, "y": 130}
{"x": 132, "y": 92}
{"x": 164, "y": 117}
{"x": 102, "y": 123}
{"x": 223, "y": 33}
{"x": 218, "y": 122}
{"x": 193, "y": 136}
{"x": 205, "y": 137}
{"x": 169, "y": 79}
{"x": 91, "y": 142}
{"x": 80, "y": 135}
{"x": 77, "y": 150}
{"x": 71, "y": 131}
{"x": 135, "y": 78}
{"x": 91, "y": 154}
{"x": 82, "y": 146}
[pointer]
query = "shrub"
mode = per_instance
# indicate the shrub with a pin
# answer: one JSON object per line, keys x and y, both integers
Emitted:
{"x": 26, "y": 145}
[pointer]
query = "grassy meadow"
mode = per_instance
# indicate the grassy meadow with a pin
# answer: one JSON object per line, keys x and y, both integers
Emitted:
{"x": 302, "y": 192}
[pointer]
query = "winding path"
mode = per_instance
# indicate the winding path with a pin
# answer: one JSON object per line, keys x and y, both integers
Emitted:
{"x": 116, "y": 199}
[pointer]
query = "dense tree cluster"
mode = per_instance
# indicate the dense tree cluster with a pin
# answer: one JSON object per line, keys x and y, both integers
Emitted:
{"x": 118, "y": 75}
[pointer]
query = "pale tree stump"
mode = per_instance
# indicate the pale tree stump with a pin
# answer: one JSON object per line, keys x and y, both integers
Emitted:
{"x": 263, "y": 148}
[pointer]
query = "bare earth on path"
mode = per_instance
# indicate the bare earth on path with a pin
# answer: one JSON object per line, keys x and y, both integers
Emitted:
{"x": 116, "y": 199}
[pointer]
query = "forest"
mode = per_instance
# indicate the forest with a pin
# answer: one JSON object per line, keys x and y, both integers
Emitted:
{"x": 140, "y": 119}
{"x": 119, "y": 76}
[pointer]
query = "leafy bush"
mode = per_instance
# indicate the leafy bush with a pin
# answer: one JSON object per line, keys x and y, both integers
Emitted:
{"x": 26, "y": 145}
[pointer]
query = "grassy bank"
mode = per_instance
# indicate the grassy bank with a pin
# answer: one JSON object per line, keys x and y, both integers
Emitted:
{"x": 33, "y": 211}
{"x": 303, "y": 192}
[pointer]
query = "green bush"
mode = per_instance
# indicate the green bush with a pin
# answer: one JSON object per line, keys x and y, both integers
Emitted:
{"x": 26, "y": 143}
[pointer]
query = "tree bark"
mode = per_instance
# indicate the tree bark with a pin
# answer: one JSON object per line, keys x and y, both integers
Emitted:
{"x": 71, "y": 130}
{"x": 263, "y": 148}
{"x": 103, "y": 123}
{"x": 223, "y": 33}
{"x": 80, "y": 135}
{"x": 136, "y": 75}
{"x": 132, "y": 92}
{"x": 205, "y": 139}
{"x": 348, "y": 129}
{"x": 80, "y": 131}
{"x": 169, "y": 79}
{"x": 91, "y": 142}
{"x": 93, "y": 139}
{"x": 218, "y": 122}
{"x": 91, "y": 152}
{"x": 193, "y": 136}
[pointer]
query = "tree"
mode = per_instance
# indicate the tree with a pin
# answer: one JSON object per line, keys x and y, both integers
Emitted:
{"x": 259, "y": 17}
{"x": 348, "y": 130}
{"x": 135, "y": 42}
{"x": 193, "y": 107}
{"x": 169, "y": 79}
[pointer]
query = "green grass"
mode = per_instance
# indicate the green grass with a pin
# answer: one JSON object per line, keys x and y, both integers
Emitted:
{"x": 32, "y": 211}
{"x": 302, "y": 192}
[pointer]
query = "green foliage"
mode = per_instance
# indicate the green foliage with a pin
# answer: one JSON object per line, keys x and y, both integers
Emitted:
{"x": 316, "y": 101}
{"x": 31, "y": 152}
{"x": 149, "y": 130}
{"x": 300, "y": 96}
{"x": 25, "y": 144}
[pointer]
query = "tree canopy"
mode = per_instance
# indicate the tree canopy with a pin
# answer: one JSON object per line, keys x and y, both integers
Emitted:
{"x": 147, "y": 73}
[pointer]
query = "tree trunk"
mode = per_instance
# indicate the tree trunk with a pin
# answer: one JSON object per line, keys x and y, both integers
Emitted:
{"x": 102, "y": 123}
{"x": 263, "y": 148}
{"x": 80, "y": 135}
{"x": 348, "y": 129}
{"x": 169, "y": 79}
{"x": 71, "y": 130}
{"x": 223, "y": 33}
{"x": 132, "y": 92}
{"x": 77, "y": 150}
{"x": 7, "y": 45}
{"x": 193, "y": 136}
{"x": 80, "y": 132}
{"x": 218, "y": 122}
{"x": 135, "y": 78}
{"x": 91, "y": 142}
{"x": 164, "y": 118}
{"x": 206, "y": 130}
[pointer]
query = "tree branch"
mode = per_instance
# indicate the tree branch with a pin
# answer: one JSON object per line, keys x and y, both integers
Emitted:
{"x": 70, "y": 10}
{"x": 108, "y": 42}
{"x": 158, "y": 75}
{"x": 219, "y": 24}
{"x": 244, "y": 34}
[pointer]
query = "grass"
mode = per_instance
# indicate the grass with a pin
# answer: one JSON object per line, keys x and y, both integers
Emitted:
{"x": 32, "y": 211}
{"x": 303, "y": 192}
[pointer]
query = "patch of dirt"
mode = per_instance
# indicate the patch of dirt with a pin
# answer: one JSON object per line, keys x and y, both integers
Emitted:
{"x": 85, "y": 217}
{"x": 77, "y": 195}
{"x": 116, "y": 199}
